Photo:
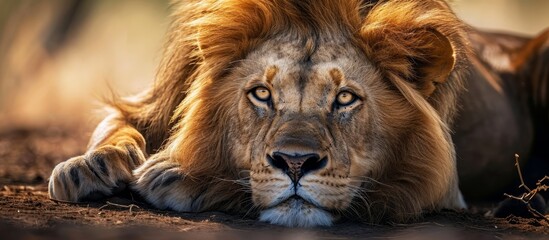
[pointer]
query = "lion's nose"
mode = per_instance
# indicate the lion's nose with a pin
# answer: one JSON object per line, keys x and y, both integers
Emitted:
{"x": 297, "y": 165}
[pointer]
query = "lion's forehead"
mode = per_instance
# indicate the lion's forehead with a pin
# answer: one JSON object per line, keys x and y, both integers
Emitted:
{"x": 295, "y": 55}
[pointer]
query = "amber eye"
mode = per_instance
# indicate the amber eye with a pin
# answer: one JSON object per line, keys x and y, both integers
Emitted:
{"x": 261, "y": 94}
{"x": 345, "y": 98}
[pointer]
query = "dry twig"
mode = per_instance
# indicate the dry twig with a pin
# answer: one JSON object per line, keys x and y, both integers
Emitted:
{"x": 130, "y": 207}
{"x": 530, "y": 193}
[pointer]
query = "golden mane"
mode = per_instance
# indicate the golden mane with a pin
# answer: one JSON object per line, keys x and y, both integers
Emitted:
{"x": 184, "y": 117}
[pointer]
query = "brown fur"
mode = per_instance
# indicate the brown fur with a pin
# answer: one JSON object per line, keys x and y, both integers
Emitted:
{"x": 189, "y": 116}
{"x": 205, "y": 46}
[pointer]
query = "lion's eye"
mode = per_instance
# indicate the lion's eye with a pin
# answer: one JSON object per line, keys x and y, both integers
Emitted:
{"x": 345, "y": 98}
{"x": 261, "y": 94}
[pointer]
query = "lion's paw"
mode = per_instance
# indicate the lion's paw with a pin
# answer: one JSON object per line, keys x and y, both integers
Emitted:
{"x": 163, "y": 184}
{"x": 95, "y": 175}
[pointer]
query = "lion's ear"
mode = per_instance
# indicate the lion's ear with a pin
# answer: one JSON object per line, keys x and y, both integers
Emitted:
{"x": 413, "y": 41}
{"x": 435, "y": 62}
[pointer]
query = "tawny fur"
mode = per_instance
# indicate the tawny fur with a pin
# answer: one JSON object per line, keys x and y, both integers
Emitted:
{"x": 185, "y": 117}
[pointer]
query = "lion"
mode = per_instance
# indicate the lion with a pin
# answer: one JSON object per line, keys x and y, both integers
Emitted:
{"x": 304, "y": 112}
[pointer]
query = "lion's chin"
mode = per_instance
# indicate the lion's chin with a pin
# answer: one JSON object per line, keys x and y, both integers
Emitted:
{"x": 296, "y": 212}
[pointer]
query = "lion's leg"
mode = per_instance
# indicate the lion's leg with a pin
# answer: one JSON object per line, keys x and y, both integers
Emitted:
{"x": 116, "y": 148}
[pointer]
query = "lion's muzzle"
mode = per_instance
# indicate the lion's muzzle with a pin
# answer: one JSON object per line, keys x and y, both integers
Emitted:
{"x": 296, "y": 156}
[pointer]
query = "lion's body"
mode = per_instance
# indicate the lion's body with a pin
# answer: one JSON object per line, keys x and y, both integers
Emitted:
{"x": 314, "y": 108}
{"x": 504, "y": 110}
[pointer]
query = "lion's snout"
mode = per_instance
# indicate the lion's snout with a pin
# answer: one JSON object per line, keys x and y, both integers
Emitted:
{"x": 296, "y": 165}
{"x": 298, "y": 148}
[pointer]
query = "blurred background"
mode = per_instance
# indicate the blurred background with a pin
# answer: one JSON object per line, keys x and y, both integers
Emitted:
{"x": 58, "y": 58}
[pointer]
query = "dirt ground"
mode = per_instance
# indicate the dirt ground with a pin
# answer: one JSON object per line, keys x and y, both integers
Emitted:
{"x": 28, "y": 155}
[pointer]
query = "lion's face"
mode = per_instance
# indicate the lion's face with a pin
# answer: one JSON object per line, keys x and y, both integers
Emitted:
{"x": 307, "y": 128}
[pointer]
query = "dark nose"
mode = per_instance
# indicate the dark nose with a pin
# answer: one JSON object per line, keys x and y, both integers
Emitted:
{"x": 296, "y": 165}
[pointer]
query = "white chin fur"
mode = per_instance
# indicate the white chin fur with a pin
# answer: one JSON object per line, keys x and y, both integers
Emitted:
{"x": 296, "y": 213}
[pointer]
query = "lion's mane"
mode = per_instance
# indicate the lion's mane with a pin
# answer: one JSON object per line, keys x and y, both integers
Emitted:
{"x": 185, "y": 114}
